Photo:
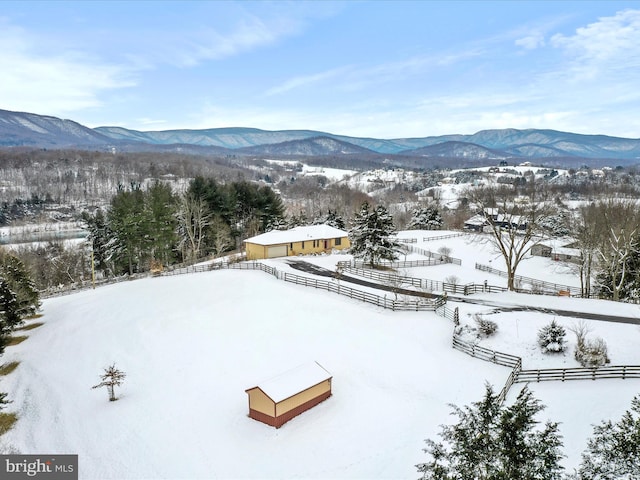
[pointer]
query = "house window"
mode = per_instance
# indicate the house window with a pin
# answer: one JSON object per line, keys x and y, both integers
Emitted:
{"x": 303, "y": 245}
{"x": 338, "y": 241}
{"x": 291, "y": 246}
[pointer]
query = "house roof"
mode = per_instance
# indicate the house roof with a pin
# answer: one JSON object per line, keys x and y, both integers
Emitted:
{"x": 478, "y": 220}
{"x": 297, "y": 234}
{"x": 293, "y": 381}
{"x": 559, "y": 246}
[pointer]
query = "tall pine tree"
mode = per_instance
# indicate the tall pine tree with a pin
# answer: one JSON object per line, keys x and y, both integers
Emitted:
{"x": 372, "y": 236}
{"x": 425, "y": 218}
{"x": 492, "y": 442}
{"x": 613, "y": 453}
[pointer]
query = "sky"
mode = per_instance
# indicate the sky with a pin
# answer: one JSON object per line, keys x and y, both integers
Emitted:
{"x": 367, "y": 69}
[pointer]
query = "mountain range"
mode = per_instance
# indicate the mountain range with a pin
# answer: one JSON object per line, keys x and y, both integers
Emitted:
{"x": 32, "y": 130}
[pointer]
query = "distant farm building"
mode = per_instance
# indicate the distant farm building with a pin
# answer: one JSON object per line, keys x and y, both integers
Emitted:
{"x": 278, "y": 400}
{"x": 296, "y": 241}
{"x": 483, "y": 221}
{"x": 560, "y": 249}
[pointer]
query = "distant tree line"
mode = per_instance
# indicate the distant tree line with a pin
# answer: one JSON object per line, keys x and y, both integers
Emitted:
{"x": 156, "y": 225}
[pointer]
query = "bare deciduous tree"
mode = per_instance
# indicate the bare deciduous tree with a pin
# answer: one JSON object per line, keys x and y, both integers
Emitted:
{"x": 619, "y": 219}
{"x": 513, "y": 221}
{"x": 193, "y": 218}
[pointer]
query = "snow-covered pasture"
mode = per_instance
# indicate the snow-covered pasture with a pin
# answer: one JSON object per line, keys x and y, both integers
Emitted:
{"x": 192, "y": 344}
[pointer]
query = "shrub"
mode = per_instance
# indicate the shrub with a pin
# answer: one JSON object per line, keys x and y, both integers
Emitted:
{"x": 589, "y": 353}
{"x": 486, "y": 327}
{"x": 592, "y": 353}
{"x": 551, "y": 338}
{"x": 452, "y": 279}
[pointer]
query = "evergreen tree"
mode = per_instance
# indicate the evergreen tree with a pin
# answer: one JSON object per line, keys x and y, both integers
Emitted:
{"x": 491, "y": 442}
{"x": 613, "y": 453}
{"x": 551, "y": 338}
{"x": 299, "y": 220}
{"x": 3, "y": 400}
{"x": 128, "y": 222}
{"x": 371, "y": 236}
{"x": 9, "y": 316}
{"x": 100, "y": 235}
{"x": 16, "y": 275}
{"x": 161, "y": 212}
{"x": 425, "y": 218}
{"x": 246, "y": 208}
{"x": 332, "y": 218}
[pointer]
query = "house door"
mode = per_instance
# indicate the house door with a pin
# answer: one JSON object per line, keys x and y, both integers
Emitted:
{"x": 326, "y": 244}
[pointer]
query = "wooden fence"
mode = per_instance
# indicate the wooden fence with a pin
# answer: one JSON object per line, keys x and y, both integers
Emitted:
{"x": 390, "y": 303}
{"x": 442, "y": 237}
{"x": 388, "y": 278}
{"x": 537, "y": 286}
{"x": 422, "y": 304}
{"x": 431, "y": 255}
{"x": 518, "y": 375}
{"x": 564, "y": 374}
{"x": 486, "y": 354}
{"x": 451, "y": 314}
{"x": 385, "y": 264}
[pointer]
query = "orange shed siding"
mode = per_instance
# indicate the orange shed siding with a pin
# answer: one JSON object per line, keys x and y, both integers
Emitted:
{"x": 260, "y": 402}
{"x": 303, "y": 397}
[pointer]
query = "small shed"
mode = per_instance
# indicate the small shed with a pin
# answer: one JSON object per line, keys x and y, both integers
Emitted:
{"x": 279, "y": 399}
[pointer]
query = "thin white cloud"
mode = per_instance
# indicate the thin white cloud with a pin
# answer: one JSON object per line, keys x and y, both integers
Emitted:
{"x": 249, "y": 33}
{"x": 307, "y": 80}
{"x": 531, "y": 42}
{"x": 51, "y": 83}
{"x": 353, "y": 78}
{"x": 610, "y": 43}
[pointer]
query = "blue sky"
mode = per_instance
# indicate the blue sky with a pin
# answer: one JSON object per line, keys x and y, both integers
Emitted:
{"x": 371, "y": 69}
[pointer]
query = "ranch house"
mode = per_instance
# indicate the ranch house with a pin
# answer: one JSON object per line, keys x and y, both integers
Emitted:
{"x": 296, "y": 241}
{"x": 278, "y": 400}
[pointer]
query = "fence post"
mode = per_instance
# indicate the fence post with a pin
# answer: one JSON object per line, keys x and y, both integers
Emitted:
{"x": 456, "y": 316}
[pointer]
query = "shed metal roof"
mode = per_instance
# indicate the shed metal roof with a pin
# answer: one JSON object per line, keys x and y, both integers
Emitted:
{"x": 293, "y": 381}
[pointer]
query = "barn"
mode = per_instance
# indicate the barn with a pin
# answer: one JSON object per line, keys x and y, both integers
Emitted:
{"x": 296, "y": 241}
{"x": 279, "y": 399}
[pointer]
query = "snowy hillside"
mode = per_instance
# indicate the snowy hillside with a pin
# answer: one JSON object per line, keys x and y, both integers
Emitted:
{"x": 191, "y": 344}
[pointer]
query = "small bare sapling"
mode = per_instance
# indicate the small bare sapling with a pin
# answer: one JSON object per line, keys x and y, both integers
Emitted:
{"x": 112, "y": 378}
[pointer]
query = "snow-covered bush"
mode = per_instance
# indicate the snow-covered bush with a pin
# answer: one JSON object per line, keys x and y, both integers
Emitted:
{"x": 551, "y": 338}
{"x": 452, "y": 279}
{"x": 486, "y": 327}
{"x": 589, "y": 353}
{"x": 592, "y": 353}
{"x": 467, "y": 333}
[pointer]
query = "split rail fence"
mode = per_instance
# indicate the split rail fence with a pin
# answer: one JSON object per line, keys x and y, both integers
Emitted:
{"x": 425, "y": 284}
{"x": 422, "y": 304}
{"x": 538, "y": 286}
{"x": 518, "y": 375}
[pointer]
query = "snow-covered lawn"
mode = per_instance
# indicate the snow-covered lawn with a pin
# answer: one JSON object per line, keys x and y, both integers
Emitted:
{"x": 191, "y": 345}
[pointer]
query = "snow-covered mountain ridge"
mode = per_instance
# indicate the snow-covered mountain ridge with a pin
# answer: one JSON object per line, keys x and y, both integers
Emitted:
{"x": 28, "y": 129}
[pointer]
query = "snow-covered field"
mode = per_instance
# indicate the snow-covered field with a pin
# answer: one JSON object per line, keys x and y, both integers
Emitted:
{"x": 192, "y": 344}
